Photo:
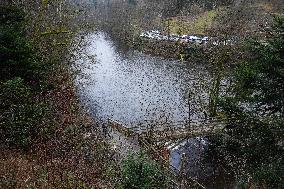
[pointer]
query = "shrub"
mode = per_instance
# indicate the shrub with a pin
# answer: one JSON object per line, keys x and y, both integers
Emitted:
{"x": 140, "y": 172}
{"x": 20, "y": 117}
{"x": 10, "y": 15}
{"x": 17, "y": 55}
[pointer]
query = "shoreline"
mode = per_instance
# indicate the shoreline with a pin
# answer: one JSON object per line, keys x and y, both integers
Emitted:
{"x": 170, "y": 49}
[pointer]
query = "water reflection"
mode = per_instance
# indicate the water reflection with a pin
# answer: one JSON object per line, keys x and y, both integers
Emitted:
{"x": 132, "y": 87}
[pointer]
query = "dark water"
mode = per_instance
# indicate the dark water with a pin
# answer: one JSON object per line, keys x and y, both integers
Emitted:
{"x": 131, "y": 87}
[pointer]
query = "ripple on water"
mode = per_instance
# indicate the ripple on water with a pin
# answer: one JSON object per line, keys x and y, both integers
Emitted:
{"x": 130, "y": 86}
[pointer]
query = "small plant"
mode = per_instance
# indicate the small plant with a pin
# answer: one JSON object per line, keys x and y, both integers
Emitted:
{"x": 141, "y": 172}
{"x": 21, "y": 118}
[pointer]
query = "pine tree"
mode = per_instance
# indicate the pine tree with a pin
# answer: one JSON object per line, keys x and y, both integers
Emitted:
{"x": 255, "y": 108}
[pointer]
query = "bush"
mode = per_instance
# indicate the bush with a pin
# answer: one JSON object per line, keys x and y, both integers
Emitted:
{"x": 256, "y": 104}
{"x": 11, "y": 15}
{"x": 270, "y": 175}
{"x": 21, "y": 118}
{"x": 140, "y": 172}
{"x": 17, "y": 56}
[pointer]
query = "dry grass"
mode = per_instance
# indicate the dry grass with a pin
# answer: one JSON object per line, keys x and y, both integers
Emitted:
{"x": 194, "y": 25}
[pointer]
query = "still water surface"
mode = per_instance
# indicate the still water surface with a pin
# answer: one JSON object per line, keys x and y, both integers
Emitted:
{"x": 131, "y": 87}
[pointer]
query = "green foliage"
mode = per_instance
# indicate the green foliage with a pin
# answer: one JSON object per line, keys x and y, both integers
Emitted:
{"x": 20, "y": 75}
{"x": 257, "y": 106}
{"x": 20, "y": 117}
{"x": 267, "y": 176}
{"x": 17, "y": 58}
{"x": 214, "y": 94}
{"x": 15, "y": 54}
{"x": 270, "y": 174}
{"x": 260, "y": 80}
{"x": 11, "y": 15}
{"x": 138, "y": 172}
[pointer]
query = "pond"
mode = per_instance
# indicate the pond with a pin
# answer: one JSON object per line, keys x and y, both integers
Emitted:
{"x": 131, "y": 87}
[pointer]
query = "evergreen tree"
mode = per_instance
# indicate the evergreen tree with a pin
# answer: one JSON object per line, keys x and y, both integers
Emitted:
{"x": 260, "y": 80}
{"x": 255, "y": 108}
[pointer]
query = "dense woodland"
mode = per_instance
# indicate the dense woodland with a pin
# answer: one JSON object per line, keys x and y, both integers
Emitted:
{"x": 48, "y": 140}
